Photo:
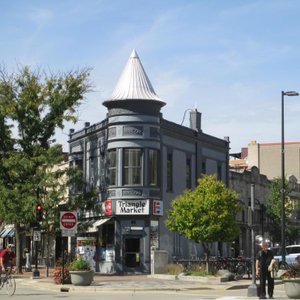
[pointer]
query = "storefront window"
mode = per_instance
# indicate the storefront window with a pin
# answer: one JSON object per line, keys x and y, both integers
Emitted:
{"x": 132, "y": 166}
{"x": 153, "y": 167}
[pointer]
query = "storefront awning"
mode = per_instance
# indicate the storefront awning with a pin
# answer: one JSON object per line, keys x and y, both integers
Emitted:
{"x": 94, "y": 227}
{"x": 7, "y": 232}
{"x": 11, "y": 233}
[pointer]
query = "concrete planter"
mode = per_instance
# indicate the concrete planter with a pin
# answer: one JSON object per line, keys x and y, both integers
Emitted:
{"x": 292, "y": 288}
{"x": 82, "y": 277}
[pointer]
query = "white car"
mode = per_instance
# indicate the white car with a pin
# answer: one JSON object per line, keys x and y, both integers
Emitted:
{"x": 292, "y": 255}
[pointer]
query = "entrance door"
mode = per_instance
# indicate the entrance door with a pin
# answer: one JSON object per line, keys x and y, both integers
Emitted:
{"x": 132, "y": 252}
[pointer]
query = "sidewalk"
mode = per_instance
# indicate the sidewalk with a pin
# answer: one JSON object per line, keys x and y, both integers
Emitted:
{"x": 139, "y": 283}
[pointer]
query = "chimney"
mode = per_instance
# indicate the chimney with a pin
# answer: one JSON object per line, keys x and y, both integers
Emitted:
{"x": 195, "y": 120}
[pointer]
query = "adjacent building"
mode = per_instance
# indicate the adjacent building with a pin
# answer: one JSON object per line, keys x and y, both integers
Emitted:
{"x": 139, "y": 162}
{"x": 267, "y": 157}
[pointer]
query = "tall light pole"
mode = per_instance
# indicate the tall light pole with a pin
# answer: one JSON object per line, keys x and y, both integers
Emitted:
{"x": 290, "y": 93}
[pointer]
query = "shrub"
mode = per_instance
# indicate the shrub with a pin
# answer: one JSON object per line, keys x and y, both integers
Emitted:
{"x": 79, "y": 264}
{"x": 174, "y": 269}
{"x": 197, "y": 270}
{"x": 57, "y": 275}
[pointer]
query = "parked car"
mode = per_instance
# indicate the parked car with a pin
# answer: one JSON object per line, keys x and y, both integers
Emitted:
{"x": 292, "y": 254}
{"x": 276, "y": 250}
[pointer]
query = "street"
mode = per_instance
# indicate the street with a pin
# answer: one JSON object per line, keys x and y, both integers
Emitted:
{"x": 28, "y": 293}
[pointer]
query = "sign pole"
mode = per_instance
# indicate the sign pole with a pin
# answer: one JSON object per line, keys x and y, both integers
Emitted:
{"x": 68, "y": 226}
{"x": 63, "y": 262}
{"x": 36, "y": 239}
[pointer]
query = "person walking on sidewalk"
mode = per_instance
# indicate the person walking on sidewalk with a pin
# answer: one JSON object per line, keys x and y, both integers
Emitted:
{"x": 264, "y": 265}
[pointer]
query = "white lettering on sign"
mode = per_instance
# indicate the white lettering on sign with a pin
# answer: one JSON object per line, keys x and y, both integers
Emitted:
{"x": 68, "y": 220}
{"x": 132, "y": 207}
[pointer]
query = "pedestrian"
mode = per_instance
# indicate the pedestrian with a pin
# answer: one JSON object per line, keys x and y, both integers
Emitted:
{"x": 264, "y": 264}
{"x": 7, "y": 258}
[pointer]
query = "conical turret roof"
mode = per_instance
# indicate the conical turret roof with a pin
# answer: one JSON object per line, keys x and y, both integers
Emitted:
{"x": 134, "y": 83}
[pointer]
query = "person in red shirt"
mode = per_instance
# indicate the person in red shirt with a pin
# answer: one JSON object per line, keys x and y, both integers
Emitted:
{"x": 7, "y": 258}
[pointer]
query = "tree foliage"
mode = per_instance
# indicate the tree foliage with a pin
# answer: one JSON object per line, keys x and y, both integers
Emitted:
{"x": 274, "y": 209}
{"x": 33, "y": 105}
{"x": 206, "y": 214}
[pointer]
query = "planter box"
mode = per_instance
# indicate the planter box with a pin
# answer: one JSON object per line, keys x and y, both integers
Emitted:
{"x": 292, "y": 288}
{"x": 82, "y": 277}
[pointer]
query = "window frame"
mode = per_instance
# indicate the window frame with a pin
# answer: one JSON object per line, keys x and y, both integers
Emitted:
{"x": 133, "y": 170}
{"x": 113, "y": 168}
{"x": 153, "y": 170}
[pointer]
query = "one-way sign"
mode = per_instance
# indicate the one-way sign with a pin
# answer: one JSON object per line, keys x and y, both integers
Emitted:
{"x": 68, "y": 222}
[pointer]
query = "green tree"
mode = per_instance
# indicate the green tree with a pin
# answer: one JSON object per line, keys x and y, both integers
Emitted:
{"x": 32, "y": 106}
{"x": 206, "y": 214}
{"x": 274, "y": 209}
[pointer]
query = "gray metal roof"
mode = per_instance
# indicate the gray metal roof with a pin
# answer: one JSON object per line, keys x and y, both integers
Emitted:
{"x": 134, "y": 82}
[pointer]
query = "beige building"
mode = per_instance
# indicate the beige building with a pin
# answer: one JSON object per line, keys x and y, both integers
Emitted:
{"x": 267, "y": 158}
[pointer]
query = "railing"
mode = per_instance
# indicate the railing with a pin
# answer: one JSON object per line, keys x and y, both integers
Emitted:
{"x": 240, "y": 266}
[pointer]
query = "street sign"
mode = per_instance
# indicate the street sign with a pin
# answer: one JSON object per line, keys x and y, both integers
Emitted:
{"x": 68, "y": 220}
{"x": 66, "y": 233}
{"x": 37, "y": 236}
{"x": 157, "y": 208}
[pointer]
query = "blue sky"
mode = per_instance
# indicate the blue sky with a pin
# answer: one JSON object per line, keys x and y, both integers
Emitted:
{"x": 230, "y": 59}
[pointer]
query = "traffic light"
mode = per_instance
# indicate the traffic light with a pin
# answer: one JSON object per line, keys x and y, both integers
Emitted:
{"x": 39, "y": 213}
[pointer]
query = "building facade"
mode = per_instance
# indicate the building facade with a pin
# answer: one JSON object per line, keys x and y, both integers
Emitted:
{"x": 139, "y": 162}
{"x": 267, "y": 157}
{"x": 241, "y": 183}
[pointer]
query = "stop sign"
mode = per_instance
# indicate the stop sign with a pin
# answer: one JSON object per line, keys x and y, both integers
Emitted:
{"x": 68, "y": 220}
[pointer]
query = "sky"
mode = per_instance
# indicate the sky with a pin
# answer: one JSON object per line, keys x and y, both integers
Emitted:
{"x": 229, "y": 59}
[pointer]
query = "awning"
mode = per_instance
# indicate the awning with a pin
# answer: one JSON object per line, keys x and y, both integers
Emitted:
{"x": 11, "y": 233}
{"x": 6, "y": 232}
{"x": 2, "y": 231}
{"x": 94, "y": 227}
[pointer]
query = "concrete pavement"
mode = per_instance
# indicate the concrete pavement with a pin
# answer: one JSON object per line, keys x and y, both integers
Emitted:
{"x": 147, "y": 283}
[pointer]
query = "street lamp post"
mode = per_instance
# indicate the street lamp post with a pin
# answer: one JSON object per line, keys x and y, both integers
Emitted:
{"x": 252, "y": 289}
{"x": 290, "y": 93}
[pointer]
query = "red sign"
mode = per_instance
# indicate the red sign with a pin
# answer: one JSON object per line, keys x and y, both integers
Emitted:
{"x": 68, "y": 220}
{"x": 108, "y": 207}
{"x": 157, "y": 208}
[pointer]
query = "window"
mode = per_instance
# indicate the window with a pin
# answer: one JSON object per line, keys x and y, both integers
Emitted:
{"x": 176, "y": 245}
{"x": 153, "y": 167}
{"x": 112, "y": 160}
{"x": 203, "y": 167}
{"x": 219, "y": 172}
{"x": 132, "y": 166}
{"x": 77, "y": 186}
{"x": 79, "y": 164}
{"x": 169, "y": 172}
{"x": 188, "y": 172}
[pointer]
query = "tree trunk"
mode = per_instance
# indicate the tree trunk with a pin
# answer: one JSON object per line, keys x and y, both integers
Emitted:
{"x": 207, "y": 254}
{"x": 18, "y": 248}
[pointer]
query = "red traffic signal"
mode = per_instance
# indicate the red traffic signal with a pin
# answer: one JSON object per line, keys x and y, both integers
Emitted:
{"x": 39, "y": 207}
{"x": 39, "y": 213}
